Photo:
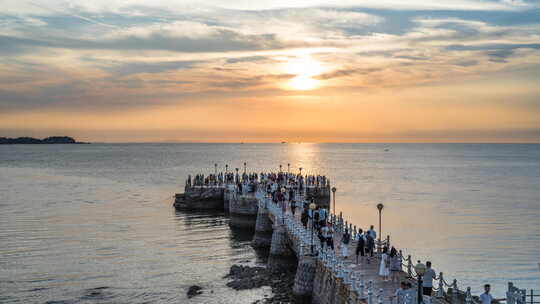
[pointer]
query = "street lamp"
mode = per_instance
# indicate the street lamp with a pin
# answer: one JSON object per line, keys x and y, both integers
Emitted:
{"x": 283, "y": 206}
{"x": 312, "y": 206}
{"x": 245, "y": 168}
{"x": 237, "y": 178}
{"x": 226, "y": 168}
{"x": 215, "y": 169}
{"x": 380, "y": 207}
{"x": 420, "y": 270}
{"x": 334, "y": 189}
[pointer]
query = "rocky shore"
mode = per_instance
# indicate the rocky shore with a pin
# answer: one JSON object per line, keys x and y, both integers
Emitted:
{"x": 280, "y": 280}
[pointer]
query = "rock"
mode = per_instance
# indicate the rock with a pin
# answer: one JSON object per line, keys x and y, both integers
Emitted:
{"x": 194, "y": 291}
{"x": 246, "y": 277}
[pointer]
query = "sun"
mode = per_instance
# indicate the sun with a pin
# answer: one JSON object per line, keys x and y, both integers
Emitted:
{"x": 305, "y": 68}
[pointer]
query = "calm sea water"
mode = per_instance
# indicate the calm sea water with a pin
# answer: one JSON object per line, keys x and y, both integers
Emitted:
{"x": 94, "y": 223}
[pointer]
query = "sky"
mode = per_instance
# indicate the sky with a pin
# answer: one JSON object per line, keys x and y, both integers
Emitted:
{"x": 271, "y": 70}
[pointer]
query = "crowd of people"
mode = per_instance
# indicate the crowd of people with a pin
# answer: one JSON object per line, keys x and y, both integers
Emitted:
{"x": 250, "y": 182}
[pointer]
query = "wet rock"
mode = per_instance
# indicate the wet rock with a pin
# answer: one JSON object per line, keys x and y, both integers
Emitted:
{"x": 246, "y": 277}
{"x": 194, "y": 291}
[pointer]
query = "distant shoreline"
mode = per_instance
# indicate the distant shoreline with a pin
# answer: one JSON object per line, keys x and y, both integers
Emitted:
{"x": 53, "y": 140}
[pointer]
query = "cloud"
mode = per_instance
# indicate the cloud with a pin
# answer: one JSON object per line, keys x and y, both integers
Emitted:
{"x": 246, "y": 59}
{"x": 127, "y": 68}
{"x": 346, "y": 72}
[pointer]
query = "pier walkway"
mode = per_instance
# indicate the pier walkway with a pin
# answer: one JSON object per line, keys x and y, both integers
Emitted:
{"x": 323, "y": 275}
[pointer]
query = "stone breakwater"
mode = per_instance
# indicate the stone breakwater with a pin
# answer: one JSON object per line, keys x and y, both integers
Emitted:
{"x": 321, "y": 275}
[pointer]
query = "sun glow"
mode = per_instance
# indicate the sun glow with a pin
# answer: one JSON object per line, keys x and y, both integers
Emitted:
{"x": 305, "y": 68}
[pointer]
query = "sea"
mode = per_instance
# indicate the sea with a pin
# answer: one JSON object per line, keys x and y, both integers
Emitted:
{"x": 95, "y": 223}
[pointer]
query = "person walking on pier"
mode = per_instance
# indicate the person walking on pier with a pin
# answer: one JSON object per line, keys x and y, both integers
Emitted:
{"x": 304, "y": 218}
{"x": 345, "y": 240}
{"x": 370, "y": 245}
{"x": 486, "y": 297}
{"x": 322, "y": 215}
{"x": 428, "y": 279}
{"x": 360, "y": 246}
{"x": 324, "y": 234}
{"x": 395, "y": 265}
{"x": 384, "y": 267}
{"x": 400, "y": 293}
{"x": 372, "y": 233}
{"x": 330, "y": 237}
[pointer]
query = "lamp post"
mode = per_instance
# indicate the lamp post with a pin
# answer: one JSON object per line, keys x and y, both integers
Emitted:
{"x": 300, "y": 170}
{"x": 226, "y": 168}
{"x": 280, "y": 166}
{"x": 215, "y": 169}
{"x": 237, "y": 177}
{"x": 245, "y": 168}
{"x": 288, "y": 167}
{"x": 283, "y": 206}
{"x": 312, "y": 207}
{"x": 334, "y": 196}
{"x": 420, "y": 270}
{"x": 380, "y": 207}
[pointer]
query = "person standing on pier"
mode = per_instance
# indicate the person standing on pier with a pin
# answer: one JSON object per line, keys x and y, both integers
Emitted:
{"x": 345, "y": 240}
{"x": 322, "y": 216}
{"x": 330, "y": 238}
{"x": 304, "y": 218}
{"x": 370, "y": 245}
{"x": 384, "y": 267}
{"x": 372, "y": 233}
{"x": 395, "y": 265}
{"x": 428, "y": 279}
{"x": 360, "y": 246}
{"x": 486, "y": 297}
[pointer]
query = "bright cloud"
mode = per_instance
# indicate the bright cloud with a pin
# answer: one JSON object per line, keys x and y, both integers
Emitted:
{"x": 128, "y": 56}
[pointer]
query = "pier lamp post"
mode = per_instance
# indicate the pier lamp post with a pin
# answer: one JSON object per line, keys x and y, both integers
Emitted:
{"x": 283, "y": 206}
{"x": 380, "y": 208}
{"x": 312, "y": 206}
{"x": 215, "y": 169}
{"x": 334, "y": 189}
{"x": 245, "y": 164}
{"x": 420, "y": 270}
{"x": 237, "y": 177}
{"x": 226, "y": 168}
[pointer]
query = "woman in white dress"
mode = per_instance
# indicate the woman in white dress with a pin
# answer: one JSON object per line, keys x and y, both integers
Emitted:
{"x": 384, "y": 268}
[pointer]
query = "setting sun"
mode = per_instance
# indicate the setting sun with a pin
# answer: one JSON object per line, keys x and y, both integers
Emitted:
{"x": 304, "y": 68}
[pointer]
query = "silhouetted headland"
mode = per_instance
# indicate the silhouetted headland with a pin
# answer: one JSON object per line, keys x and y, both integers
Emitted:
{"x": 36, "y": 141}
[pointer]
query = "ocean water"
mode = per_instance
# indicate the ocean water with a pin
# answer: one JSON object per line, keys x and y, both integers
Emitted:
{"x": 95, "y": 223}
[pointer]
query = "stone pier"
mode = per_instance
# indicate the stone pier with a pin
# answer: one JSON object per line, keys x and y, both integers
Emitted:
{"x": 243, "y": 211}
{"x": 263, "y": 229}
{"x": 281, "y": 255}
{"x": 200, "y": 198}
{"x": 304, "y": 279}
{"x": 322, "y": 278}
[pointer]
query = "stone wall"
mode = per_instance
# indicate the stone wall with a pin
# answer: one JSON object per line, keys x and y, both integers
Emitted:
{"x": 195, "y": 198}
{"x": 263, "y": 230}
{"x": 243, "y": 211}
{"x": 303, "y": 281}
